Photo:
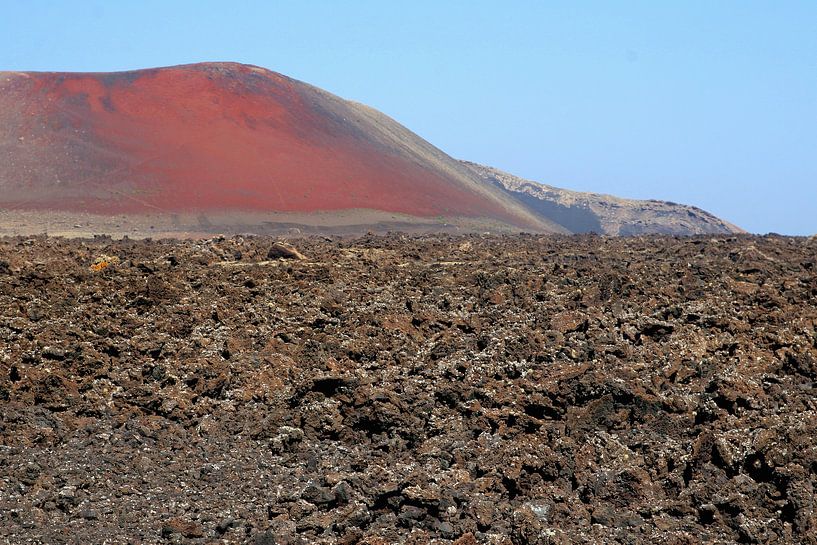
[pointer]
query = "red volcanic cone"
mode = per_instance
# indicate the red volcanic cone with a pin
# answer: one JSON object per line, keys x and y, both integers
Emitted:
{"x": 220, "y": 137}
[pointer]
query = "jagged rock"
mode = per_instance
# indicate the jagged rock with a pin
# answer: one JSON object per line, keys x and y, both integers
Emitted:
{"x": 279, "y": 250}
{"x": 410, "y": 389}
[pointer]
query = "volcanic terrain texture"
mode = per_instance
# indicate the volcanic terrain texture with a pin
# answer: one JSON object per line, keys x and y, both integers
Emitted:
{"x": 408, "y": 389}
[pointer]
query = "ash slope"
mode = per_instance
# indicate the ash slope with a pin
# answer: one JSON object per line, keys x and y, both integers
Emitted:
{"x": 605, "y": 214}
{"x": 222, "y": 137}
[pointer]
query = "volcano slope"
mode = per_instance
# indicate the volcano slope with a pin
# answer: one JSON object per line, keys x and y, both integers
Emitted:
{"x": 222, "y": 145}
{"x": 225, "y": 147}
{"x": 505, "y": 390}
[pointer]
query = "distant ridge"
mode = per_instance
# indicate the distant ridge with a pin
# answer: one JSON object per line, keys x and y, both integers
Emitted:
{"x": 605, "y": 214}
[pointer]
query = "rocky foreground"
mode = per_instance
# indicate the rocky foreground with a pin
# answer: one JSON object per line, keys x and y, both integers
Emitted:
{"x": 505, "y": 390}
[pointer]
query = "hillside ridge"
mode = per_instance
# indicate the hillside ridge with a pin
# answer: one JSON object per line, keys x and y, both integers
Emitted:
{"x": 584, "y": 212}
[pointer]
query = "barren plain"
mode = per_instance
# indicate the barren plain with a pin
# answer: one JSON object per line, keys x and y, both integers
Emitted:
{"x": 409, "y": 389}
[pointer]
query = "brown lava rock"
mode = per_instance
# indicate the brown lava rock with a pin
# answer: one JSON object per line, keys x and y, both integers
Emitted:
{"x": 409, "y": 389}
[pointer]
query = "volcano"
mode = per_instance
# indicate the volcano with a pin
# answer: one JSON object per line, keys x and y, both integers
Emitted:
{"x": 215, "y": 138}
{"x": 226, "y": 147}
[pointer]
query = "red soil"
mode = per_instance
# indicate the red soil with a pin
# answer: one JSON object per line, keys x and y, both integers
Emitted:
{"x": 211, "y": 137}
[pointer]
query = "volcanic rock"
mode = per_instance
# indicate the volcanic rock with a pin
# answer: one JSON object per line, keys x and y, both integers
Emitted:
{"x": 621, "y": 390}
{"x": 279, "y": 250}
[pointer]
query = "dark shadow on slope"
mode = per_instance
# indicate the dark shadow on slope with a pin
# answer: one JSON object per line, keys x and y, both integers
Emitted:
{"x": 576, "y": 219}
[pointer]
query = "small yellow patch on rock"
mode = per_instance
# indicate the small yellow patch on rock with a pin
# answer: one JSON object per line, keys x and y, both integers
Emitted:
{"x": 103, "y": 262}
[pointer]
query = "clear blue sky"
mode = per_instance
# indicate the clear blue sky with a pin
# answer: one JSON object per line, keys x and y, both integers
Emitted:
{"x": 712, "y": 103}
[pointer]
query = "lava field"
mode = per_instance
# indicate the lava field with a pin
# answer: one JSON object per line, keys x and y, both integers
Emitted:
{"x": 409, "y": 389}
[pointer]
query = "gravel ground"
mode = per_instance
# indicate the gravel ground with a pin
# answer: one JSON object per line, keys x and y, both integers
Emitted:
{"x": 409, "y": 389}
